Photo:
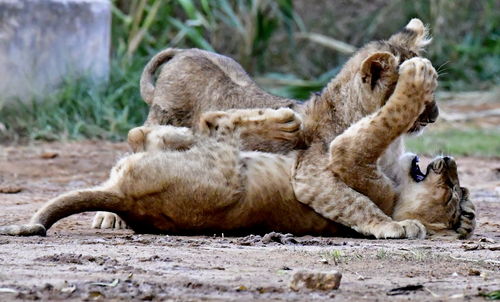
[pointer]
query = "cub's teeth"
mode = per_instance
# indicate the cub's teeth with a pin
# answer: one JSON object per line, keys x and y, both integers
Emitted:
{"x": 415, "y": 171}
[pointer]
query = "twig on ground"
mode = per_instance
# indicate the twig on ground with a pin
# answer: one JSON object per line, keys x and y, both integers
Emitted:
{"x": 475, "y": 260}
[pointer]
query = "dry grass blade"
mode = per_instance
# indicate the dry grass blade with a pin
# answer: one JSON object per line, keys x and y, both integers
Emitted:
{"x": 136, "y": 36}
{"x": 8, "y": 290}
{"x": 136, "y": 12}
{"x": 327, "y": 42}
{"x": 475, "y": 260}
{"x": 112, "y": 284}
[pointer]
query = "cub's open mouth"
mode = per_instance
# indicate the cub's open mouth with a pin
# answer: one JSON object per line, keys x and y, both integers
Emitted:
{"x": 415, "y": 171}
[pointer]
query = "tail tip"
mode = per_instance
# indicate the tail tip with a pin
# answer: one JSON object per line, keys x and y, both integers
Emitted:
{"x": 24, "y": 230}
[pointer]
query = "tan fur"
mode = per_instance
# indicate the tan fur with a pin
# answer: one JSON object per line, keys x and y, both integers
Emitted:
{"x": 187, "y": 84}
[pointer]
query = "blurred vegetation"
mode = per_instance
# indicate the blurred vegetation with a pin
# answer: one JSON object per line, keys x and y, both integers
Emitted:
{"x": 472, "y": 141}
{"x": 292, "y": 48}
{"x": 466, "y": 44}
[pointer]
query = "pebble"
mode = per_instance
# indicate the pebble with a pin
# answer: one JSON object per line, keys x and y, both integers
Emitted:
{"x": 315, "y": 280}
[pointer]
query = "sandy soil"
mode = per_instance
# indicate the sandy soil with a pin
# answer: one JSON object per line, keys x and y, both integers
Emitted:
{"x": 75, "y": 262}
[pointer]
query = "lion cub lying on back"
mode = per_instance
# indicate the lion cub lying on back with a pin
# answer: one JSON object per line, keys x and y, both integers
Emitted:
{"x": 213, "y": 186}
{"x": 441, "y": 201}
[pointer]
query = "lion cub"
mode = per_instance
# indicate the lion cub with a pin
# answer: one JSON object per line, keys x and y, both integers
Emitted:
{"x": 214, "y": 186}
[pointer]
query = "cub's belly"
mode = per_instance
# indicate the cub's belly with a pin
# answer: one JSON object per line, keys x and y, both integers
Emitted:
{"x": 267, "y": 176}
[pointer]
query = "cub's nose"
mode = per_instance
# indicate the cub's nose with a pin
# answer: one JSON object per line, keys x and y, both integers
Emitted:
{"x": 431, "y": 112}
{"x": 449, "y": 161}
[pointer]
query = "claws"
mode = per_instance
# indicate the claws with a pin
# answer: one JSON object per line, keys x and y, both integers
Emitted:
{"x": 467, "y": 220}
{"x": 106, "y": 220}
{"x": 410, "y": 229}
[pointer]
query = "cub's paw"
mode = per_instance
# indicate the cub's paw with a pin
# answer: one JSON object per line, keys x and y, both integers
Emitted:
{"x": 279, "y": 238}
{"x": 107, "y": 220}
{"x": 283, "y": 123}
{"x": 411, "y": 229}
{"x": 417, "y": 79}
{"x": 467, "y": 219}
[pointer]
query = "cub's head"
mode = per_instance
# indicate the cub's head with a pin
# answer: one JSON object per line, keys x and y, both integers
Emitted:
{"x": 434, "y": 198}
{"x": 373, "y": 71}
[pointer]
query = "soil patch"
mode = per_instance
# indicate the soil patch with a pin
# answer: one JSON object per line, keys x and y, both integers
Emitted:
{"x": 75, "y": 262}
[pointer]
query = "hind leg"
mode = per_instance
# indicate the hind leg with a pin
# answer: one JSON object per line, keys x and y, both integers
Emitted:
{"x": 363, "y": 144}
{"x": 157, "y": 138}
{"x": 273, "y": 124}
{"x": 67, "y": 204}
{"x": 147, "y": 138}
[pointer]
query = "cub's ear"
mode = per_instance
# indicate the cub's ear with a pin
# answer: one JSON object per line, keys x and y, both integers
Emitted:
{"x": 379, "y": 68}
{"x": 414, "y": 36}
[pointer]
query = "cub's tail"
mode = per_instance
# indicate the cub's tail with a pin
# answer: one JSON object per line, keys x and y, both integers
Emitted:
{"x": 415, "y": 36}
{"x": 147, "y": 82}
{"x": 65, "y": 205}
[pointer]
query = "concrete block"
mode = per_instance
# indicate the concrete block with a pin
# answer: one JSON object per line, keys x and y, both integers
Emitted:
{"x": 44, "y": 42}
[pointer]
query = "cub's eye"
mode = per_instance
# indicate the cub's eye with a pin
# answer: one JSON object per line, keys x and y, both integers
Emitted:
{"x": 468, "y": 215}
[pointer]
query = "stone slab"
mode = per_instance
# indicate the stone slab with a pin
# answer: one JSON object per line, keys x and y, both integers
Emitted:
{"x": 45, "y": 42}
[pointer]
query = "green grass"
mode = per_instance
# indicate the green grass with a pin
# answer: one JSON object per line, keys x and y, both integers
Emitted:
{"x": 478, "y": 142}
{"x": 80, "y": 109}
{"x": 382, "y": 254}
{"x": 466, "y": 38}
{"x": 493, "y": 295}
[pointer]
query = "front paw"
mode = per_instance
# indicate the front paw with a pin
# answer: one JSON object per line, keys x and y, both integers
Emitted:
{"x": 282, "y": 123}
{"x": 279, "y": 238}
{"x": 410, "y": 229}
{"x": 467, "y": 219}
{"x": 417, "y": 79}
{"x": 107, "y": 220}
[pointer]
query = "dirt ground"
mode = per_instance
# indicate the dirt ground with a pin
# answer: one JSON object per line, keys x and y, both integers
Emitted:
{"x": 75, "y": 262}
